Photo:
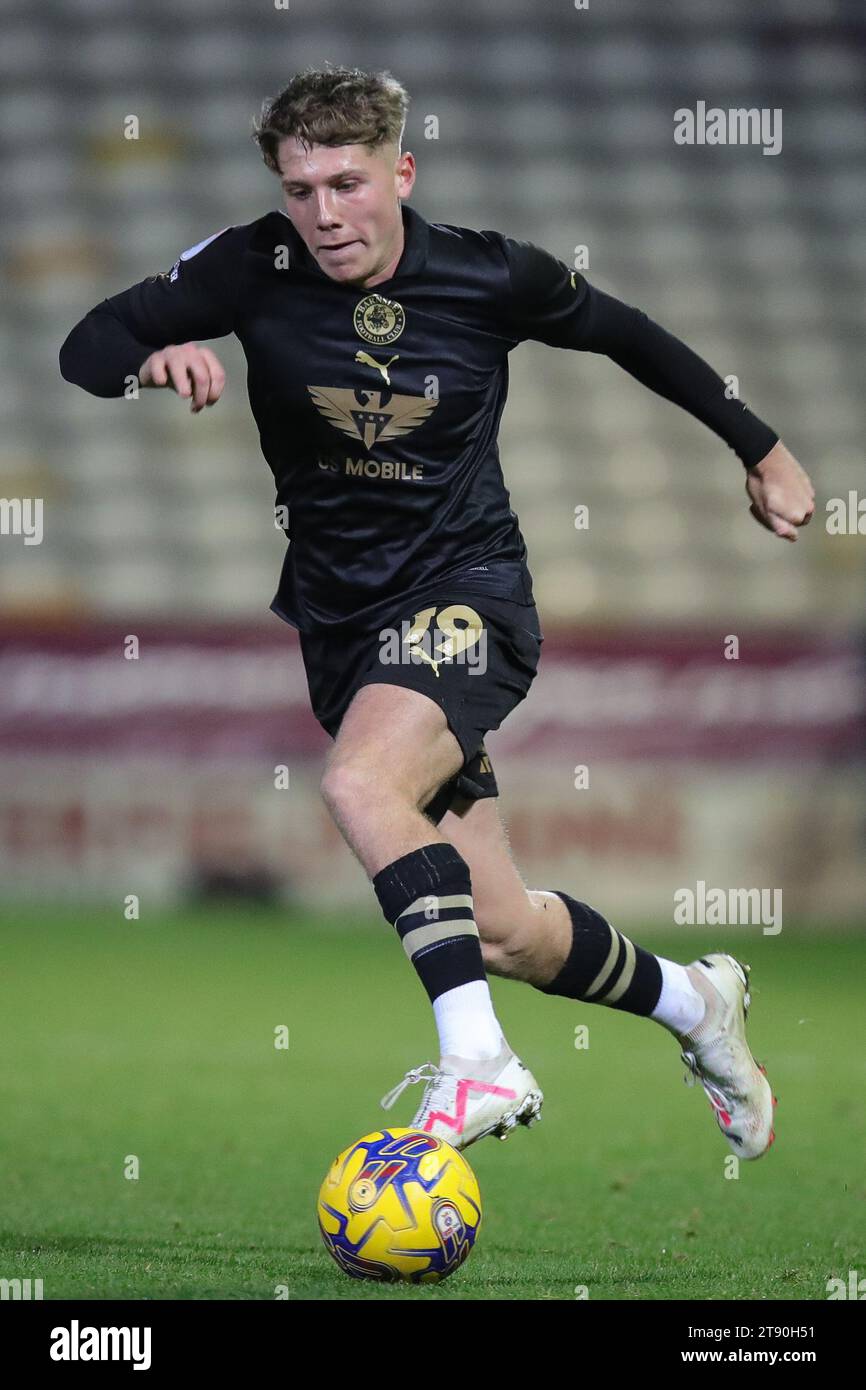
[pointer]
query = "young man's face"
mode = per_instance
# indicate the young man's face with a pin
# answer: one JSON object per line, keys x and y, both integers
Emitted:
{"x": 344, "y": 203}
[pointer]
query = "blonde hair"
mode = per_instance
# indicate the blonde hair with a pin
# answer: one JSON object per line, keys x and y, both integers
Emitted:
{"x": 333, "y": 106}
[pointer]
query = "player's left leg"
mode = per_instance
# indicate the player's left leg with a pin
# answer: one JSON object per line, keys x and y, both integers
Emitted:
{"x": 565, "y": 947}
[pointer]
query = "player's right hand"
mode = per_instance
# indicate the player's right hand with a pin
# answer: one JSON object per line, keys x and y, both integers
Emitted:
{"x": 192, "y": 371}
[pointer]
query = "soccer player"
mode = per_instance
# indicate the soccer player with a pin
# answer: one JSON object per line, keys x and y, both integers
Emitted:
{"x": 377, "y": 347}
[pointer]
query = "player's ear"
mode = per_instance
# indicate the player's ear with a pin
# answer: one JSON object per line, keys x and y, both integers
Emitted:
{"x": 405, "y": 171}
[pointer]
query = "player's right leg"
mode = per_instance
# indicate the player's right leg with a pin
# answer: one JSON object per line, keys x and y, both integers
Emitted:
{"x": 392, "y": 753}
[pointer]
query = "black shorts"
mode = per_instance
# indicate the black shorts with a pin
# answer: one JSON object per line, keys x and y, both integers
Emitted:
{"x": 475, "y": 656}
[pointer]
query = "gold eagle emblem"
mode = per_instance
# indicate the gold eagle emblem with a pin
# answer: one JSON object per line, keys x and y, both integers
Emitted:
{"x": 365, "y": 415}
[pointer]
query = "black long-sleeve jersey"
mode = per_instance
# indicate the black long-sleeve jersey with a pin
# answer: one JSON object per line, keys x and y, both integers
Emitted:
{"x": 378, "y": 410}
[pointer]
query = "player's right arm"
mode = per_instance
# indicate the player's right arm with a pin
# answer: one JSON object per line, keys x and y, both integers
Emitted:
{"x": 192, "y": 371}
{"x": 147, "y": 333}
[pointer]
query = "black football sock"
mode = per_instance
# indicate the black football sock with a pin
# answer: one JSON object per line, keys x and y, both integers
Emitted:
{"x": 427, "y": 896}
{"x": 604, "y": 967}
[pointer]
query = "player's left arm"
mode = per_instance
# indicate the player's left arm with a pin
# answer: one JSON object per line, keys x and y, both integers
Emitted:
{"x": 781, "y": 492}
{"x": 549, "y": 303}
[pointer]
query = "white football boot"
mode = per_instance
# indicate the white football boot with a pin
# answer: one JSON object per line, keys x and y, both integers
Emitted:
{"x": 464, "y": 1100}
{"x": 717, "y": 1055}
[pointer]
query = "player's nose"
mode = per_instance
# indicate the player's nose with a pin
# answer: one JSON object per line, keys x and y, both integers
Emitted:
{"x": 326, "y": 216}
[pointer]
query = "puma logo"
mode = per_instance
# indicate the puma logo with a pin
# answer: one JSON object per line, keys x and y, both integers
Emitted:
{"x": 425, "y": 656}
{"x": 367, "y": 361}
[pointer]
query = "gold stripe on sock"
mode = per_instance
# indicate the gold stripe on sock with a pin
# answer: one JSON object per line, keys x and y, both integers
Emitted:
{"x": 625, "y": 978}
{"x": 445, "y": 901}
{"x": 432, "y": 932}
{"x": 605, "y": 971}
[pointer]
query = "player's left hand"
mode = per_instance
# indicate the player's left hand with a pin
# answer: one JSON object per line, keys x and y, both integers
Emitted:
{"x": 782, "y": 494}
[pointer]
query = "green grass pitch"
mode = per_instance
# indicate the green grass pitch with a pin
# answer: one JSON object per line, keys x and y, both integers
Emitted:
{"x": 156, "y": 1038}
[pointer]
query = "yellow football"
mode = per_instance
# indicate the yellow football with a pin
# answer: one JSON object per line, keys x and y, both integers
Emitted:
{"x": 399, "y": 1205}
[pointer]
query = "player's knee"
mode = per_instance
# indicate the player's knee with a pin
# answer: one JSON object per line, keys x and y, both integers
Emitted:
{"x": 353, "y": 782}
{"x": 344, "y": 785}
{"x": 508, "y": 957}
{"x": 506, "y": 943}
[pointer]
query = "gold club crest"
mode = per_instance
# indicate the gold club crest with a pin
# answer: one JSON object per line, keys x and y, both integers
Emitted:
{"x": 379, "y": 320}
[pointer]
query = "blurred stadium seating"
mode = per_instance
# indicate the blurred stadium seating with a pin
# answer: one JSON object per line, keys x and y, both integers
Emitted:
{"x": 555, "y": 125}
{"x": 561, "y": 135}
